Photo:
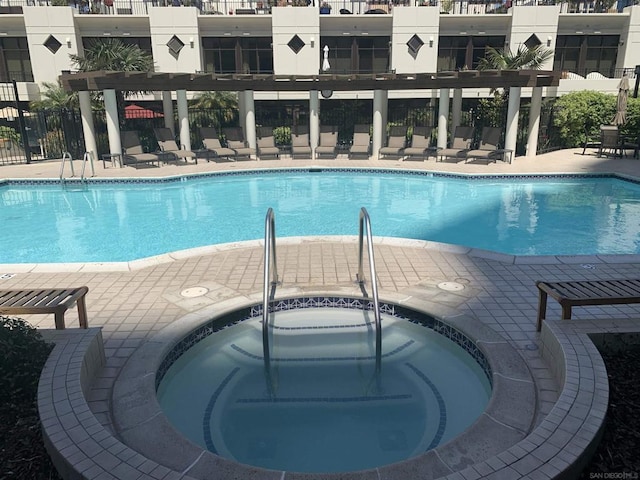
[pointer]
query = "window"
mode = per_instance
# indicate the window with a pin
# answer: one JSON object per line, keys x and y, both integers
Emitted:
{"x": 15, "y": 62}
{"x": 143, "y": 43}
{"x": 237, "y": 55}
{"x": 584, "y": 54}
{"x": 457, "y": 53}
{"x": 357, "y": 54}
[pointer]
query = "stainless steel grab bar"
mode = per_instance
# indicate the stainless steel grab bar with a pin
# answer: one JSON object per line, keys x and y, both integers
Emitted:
{"x": 270, "y": 283}
{"x": 365, "y": 223}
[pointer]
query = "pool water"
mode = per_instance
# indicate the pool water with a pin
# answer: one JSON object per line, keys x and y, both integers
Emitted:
{"x": 323, "y": 408}
{"x": 111, "y": 222}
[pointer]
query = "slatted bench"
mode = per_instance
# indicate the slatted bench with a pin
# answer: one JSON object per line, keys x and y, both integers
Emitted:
{"x": 56, "y": 301}
{"x": 574, "y": 294}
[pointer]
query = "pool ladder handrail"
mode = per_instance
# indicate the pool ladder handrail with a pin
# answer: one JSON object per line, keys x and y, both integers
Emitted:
{"x": 87, "y": 158}
{"x": 365, "y": 224}
{"x": 270, "y": 280}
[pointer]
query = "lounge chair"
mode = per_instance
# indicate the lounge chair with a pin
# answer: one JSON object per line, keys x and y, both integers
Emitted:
{"x": 328, "y": 141}
{"x": 212, "y": 144}
{"x": 267, "y": 143}
{"x": 361, "y": 141}
{"x": 420, "y": 144}
{"x": 168, "y": 145}
{"x": 300, "y": 145}
{"x": 460, "y": 144}
{"x": 488, "y": 148}
{"x": 236, "y": 142}
{"x": 630, "y": 144}
{"x": 396, "y": 142}
{"x": 609, "y": 141}
{"x": 132, "y": 151}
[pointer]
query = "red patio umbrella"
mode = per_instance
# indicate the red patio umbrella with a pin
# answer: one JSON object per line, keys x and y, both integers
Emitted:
{"x": 136, "y": 111}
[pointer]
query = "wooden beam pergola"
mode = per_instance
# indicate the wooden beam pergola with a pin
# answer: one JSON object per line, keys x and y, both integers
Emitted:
{"x": 157, "y": 81}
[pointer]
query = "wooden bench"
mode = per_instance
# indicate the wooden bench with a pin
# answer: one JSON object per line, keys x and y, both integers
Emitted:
{"x": 56, "y": 301}
{"x": 573, "y": 294}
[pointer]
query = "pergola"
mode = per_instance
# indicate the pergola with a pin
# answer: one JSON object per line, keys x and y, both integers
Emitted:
{"x": 245, "y": 84}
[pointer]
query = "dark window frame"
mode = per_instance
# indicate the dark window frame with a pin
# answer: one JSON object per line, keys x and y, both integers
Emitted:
{"x": 237, "y": 55}
{"x": 358, "y": 54}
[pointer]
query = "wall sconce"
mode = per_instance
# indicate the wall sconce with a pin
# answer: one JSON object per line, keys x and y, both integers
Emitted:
{"x": 191, "y": 42}
{"x": 431, "y": 41}
{"x": 549, "y": 40}
{"x": 312, "y": 41}
{"x": 68, "y": 40}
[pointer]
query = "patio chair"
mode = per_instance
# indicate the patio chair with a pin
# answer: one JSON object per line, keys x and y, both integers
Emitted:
{"x": 361, "y": 141}
{"x": 132, "y": 151}
{"x": 300, "y": 145}
{"x": 460, "y": 144}
{"x": 328, "y": 141}
{"x": 396, "y": 142}
{"x": 212, "y": 144}
{"x": 609, "y": 141}
{"x": 630, "y": 144}
{"x": 488, "y": 148}
{"x": 421, "y": 145}
{"x": 267, "y": 143}
{"x": 167, "y": 144}
{"x": 237, "y": 143}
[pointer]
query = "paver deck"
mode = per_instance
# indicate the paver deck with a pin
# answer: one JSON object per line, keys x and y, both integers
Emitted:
{"x": 131, "y": 306}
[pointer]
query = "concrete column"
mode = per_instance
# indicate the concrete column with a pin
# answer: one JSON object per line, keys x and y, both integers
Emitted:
{"x": 167, "y": 110}
{"x": 87, "y": 124}
{"x": 314, "y": 121}
{"x": 534, "y": 122}
{"x": 113, "y": 127}
{"x": 250, "y": 118}
{"x": 456, "y": 108}
{"x": 378, "y": 102}
{"x": 443, "y": 117}
{"x": 183, "y": 119}
{"x": 513, "y": 110}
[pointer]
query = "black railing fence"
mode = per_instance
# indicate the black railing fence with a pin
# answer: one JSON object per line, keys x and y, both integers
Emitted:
{"x": 48, "y": 134}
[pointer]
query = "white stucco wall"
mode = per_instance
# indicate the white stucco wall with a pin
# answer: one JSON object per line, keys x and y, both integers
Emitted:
{"x": 40, "y": 22}
{"x": 421, "y": 21}
{"x": 541, "y": 20}
{"x": 629, "y": 52}
{"x": 301, "y": 21}
{"x": 182, "y": 22}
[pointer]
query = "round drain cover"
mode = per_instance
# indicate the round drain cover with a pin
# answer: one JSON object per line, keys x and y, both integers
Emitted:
{"x": 451, "y": 286}
{"x": 194, "y": 292}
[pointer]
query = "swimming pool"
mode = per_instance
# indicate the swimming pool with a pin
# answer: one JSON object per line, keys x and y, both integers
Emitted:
{"x": 126, "y": 220}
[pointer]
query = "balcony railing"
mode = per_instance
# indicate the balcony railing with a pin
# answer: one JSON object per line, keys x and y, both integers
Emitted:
{"x": 338, "y": 7}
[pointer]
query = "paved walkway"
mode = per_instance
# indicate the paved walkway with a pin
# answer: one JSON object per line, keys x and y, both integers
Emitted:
{"x": 131, "y": 306}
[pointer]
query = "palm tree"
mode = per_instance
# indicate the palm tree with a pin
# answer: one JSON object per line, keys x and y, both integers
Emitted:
{"x": 222, "y": 105}
{"x": 55, "y": 97}
{"x": 112, "y": 54}
{"x": 525, "y": 58}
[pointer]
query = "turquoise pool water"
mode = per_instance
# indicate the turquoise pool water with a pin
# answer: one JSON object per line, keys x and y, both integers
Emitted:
{"x": 124, "y": 221}
{"x": 326, "y": 409}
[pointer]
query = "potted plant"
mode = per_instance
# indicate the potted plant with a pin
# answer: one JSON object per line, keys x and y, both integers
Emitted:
{"x": 325, "y": 8}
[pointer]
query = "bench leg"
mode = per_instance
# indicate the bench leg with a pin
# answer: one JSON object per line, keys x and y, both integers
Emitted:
{"x": 82, "y": 313}
{"x": 59, "y": 318}
{"x": 542, "y": 309}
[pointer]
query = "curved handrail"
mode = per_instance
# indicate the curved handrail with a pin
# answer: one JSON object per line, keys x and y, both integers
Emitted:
{"x": 270, "y": 280}
{"x": 365, "y": 222}
{"x": 66, "y": 156}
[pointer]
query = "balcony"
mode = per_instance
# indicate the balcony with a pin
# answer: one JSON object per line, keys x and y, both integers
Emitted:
{"x": 338, "y": 7}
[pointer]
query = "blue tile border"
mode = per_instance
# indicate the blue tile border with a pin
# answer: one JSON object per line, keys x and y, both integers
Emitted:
{"x": 255, "y": 311}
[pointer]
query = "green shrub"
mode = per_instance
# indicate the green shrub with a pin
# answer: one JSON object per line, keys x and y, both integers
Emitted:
{"x": 580, "y": 114}
{"x": 282, "y": 135}
{"x": 24, "y": 353}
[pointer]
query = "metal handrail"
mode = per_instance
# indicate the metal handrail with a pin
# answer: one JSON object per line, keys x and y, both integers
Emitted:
{"x": 365, "y": 222}
{"x": 270, "y": 283}
{"x": 66, "y": 156}
{"x": 88, "y": 157}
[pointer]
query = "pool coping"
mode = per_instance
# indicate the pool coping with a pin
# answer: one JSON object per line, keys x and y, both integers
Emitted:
{"x": 555, "y": 448}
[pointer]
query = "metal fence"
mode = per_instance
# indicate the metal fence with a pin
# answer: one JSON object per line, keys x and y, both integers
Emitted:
{"x": 48, "y": 134}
